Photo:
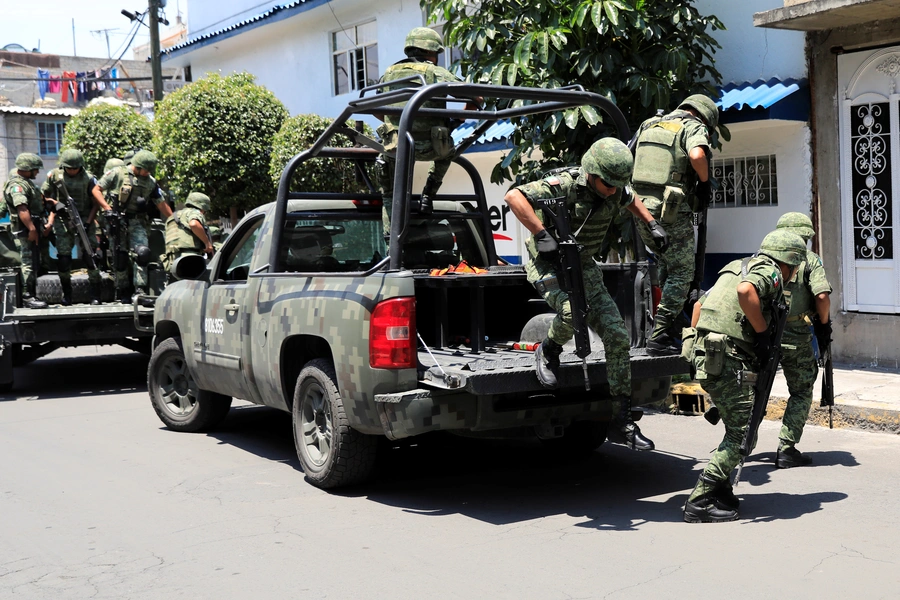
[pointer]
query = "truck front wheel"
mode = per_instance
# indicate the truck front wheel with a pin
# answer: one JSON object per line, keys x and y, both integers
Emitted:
{"x": 331, "y": 452}
{"x": 175, "y": 397}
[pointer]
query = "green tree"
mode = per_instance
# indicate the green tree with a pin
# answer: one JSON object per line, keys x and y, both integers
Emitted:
{"x": 318, "y": 174}
{"x": 103, "y": 131}
{"x": 215, "y": 136}
{"x": 641, "y": 54}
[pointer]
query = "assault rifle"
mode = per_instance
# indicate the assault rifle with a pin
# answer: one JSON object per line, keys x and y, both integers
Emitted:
{"x": 827, "y": 382}
{"x": 570, "y": 276}
{"x": 762, "y": 383}
{"x": 114, "y": 229}
{"x": 66, "y": 208}
{"x": 39, "y": 223}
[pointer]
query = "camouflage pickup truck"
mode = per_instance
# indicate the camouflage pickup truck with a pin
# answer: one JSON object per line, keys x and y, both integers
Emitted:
{"x": 308, "y": 310}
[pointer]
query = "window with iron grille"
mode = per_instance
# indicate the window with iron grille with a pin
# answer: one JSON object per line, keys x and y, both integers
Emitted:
{"x": 50, "y": 135}
{"x": 354, "y": 57}
{"x": 745, "y": 181}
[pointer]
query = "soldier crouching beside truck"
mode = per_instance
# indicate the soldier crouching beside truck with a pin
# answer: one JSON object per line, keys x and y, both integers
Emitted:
{"x": 186, "y": 231}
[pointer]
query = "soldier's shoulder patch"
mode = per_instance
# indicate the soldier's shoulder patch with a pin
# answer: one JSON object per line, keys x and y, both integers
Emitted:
{"x": 18, "y": 189}
{"x": 776, "y": 278}
{"x": 553, "y": 180}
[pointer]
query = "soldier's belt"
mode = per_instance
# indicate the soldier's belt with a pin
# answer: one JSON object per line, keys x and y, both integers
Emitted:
{"x": 544, "y": 286}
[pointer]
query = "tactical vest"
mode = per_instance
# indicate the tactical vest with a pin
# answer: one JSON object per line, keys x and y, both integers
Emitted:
{"x": 802, "y": 301}
{"x": 78, "y": 187}
{"x": 179, "y": 236}
{"x": 721, "y": 311}
{"x": 659, "y": 159}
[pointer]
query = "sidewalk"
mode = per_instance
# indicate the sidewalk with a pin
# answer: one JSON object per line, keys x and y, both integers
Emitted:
{"x": 865, "y": 399}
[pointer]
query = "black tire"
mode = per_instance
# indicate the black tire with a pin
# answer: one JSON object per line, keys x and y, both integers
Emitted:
{"x": 178, "y": 403}
{"x": 331, "y": 452}
{"x": 49, "y": 289}
{"x": 579, "y": 439}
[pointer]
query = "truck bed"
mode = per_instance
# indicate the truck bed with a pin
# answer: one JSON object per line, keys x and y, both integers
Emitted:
{"x": 76, "y": 311}
{"x": 498, "y": 371}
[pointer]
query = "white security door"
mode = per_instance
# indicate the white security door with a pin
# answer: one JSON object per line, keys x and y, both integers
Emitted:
{"x": 870, "y": 179}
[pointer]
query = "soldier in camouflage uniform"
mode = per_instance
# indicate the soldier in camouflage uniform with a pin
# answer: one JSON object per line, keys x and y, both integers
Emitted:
{"x": 810, "y": 299}
{"x": 136, "y": 189}
{"x": 186, "y": 231}
{"x": 594, "y": 195}
{"x": 26, "y": 207}
{"x": 431, "y": 135}
{"x": 732, "y": 335}
{"x": 671, "y": 177}
{"x": 113, "y": 163}
{"x": 71, "y": 178}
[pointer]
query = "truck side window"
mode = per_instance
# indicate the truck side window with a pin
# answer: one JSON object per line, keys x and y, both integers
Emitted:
{"x": 235, "y": 266}
{"x": 332, "y": 245}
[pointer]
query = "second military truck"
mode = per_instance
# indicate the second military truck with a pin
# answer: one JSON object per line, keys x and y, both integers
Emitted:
{"x": 307, "y": 309}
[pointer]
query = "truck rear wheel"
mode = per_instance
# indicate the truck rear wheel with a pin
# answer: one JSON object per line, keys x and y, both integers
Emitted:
{"x": 331, "y": 452}
{"x": 174, "y": 394}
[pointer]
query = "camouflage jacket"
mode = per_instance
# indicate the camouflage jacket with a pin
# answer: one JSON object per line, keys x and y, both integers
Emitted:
{"x": 20, "y": 191}
{"x": 130, "y": 187}
{"x": 79, "y": 188}
{"x": 179, "y": 236}
{"x": 809, "y": 281}
{"x": 590, "y": 214}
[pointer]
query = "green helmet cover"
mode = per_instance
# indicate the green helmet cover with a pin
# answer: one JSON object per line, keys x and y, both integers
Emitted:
{"x": 610, "y": 160}
{"x": 198, "y": 200}
{"x": 28, "y": 161}
{"x": 144, "y": 159}
{"x": 798, "y": 223}
{"x": 113, "y": 163}
{"x": 129, "y": 155}
{"x": 71, "y": 159}
{"x": 704, "y": 105}
{"x": 423, "y": 38}
{"x": 784, "y": 246}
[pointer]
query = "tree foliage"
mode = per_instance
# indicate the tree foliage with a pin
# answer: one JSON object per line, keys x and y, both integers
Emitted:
{"x": 103, "y": 131}
{"x": 215, "y": 136}
{"x": 318, "y": 174}
{"x": 641, "y": 54}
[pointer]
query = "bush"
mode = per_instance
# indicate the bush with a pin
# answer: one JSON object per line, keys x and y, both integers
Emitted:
{"x": 103, "y": 131}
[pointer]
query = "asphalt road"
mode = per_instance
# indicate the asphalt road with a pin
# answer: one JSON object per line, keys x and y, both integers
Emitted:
{"x": 97, "y": 500}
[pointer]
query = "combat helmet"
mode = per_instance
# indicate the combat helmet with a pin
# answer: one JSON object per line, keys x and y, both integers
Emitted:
{"x": 144, "y": 159}
{"x": 798, "y": 223}
{"x": 784, "y": 246}
{"x": 71, "y": 159}
{"x": 198, "y": 200}
{"x": 113, "y": 163}
{"x": 423, "y": 38}
{"x": 610, "y": 160}
{"x": 126, "y": 158}
{"x": 708, "y": 110}
{"x": 28, "y": 161}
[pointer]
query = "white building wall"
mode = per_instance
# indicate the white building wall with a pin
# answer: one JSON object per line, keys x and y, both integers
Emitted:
{"x": 749, "y": 53}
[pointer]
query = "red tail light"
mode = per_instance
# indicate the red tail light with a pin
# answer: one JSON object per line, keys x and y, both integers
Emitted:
{"x": 656, "y": 296}
{"x": 392, "y": 334}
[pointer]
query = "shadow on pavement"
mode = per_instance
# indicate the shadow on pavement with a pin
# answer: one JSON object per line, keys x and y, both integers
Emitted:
{"x": 763, "y": 508}
{"x": 91, "y": 374}
{"x": 263, "y": 431}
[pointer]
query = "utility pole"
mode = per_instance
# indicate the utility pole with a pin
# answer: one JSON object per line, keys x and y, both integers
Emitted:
{"x": 155, "y": 62}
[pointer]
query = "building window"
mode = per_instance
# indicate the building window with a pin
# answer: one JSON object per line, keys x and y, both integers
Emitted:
{"x": 50, "y": 135}
{"x": 745, "y": 181}
{"x": 354, "y": 57}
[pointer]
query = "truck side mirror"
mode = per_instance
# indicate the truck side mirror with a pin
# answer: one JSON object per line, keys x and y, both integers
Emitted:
{"x": 189, "y": 266}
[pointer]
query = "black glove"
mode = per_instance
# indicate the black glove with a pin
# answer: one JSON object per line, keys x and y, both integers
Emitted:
{"x": 823, "y": 332}
{"x": 762, "y": 346}
{"x": 693, "y": 296}
{"x": 703, "y": 191}
{"x": 59, "y": 208}
{"x": 659, "y": 235}
{"x": 546, "y": 246}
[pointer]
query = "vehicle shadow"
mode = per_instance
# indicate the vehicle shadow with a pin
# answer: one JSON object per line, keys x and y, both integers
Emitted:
{"x": 261, "y": 430}
{"x": 53, "y": 377}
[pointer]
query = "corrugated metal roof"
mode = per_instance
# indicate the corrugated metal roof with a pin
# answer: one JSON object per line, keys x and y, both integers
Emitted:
{"x": 240, "y": 24}
{"x": 501, "y": 130}
{"x": 758, "y": 94}
{"x": 44, "y": 112}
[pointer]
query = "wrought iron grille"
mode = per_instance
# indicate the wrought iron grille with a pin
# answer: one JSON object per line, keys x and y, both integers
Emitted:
{"x": 745, "y": 181}
{"x": 870, "y": 148}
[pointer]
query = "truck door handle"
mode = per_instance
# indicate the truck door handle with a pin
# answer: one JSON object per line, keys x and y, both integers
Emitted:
{"x": 232, "y": 307}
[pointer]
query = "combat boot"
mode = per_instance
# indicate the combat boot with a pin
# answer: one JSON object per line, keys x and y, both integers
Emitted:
{"x": 712, "y": 504}
{"x": 95, "y": 294}
{"x": 66, "y": 292}
{"x": 623, "y": 429}
{"x": 64, "y": 265}
{"x": 789, "y": 456}
{"x": 662, "y": 345}
{"x": 546, "y": 363}
{"x": 29, "y": 301}
{"x": 426, "y": 201}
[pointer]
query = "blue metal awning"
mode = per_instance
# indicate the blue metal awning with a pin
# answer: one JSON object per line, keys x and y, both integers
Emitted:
{"x": 497, "y": 136}
{"x": 776, "y": 99}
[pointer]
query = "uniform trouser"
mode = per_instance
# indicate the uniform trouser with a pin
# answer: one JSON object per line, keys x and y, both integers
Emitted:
{"x": 137, "y": 233}
{"x": 800, "y": 370}
{"x": 734, "y": 403}
{"x": 26, "y": 250}
{"x": 65, "y": 241}
{"x": 386, "y": 168}
{"x": 676, "y": 264}
{"x": 603, "y": 317}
